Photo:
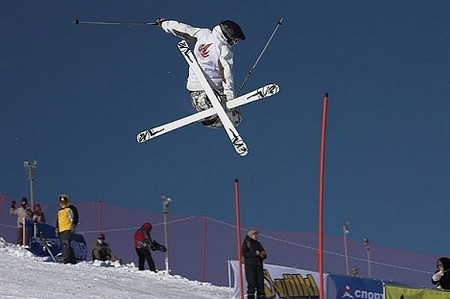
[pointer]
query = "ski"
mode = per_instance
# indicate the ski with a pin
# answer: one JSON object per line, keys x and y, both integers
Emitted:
{"x": 255, "y": 95}
{"x": 46, "y": 245}
{"x": 235, "y": 138}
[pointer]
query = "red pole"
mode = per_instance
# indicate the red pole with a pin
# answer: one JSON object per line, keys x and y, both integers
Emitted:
{"x": 321, "y": 191}
{"x": 238, "y": 236}
{"x": 100, "y": 216}
{"x": 204, "y": 249}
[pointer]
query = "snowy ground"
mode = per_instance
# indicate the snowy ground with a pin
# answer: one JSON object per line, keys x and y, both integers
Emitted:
{"x": 23, "y": 275}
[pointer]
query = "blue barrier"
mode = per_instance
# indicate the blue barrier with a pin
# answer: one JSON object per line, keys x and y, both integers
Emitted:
{"x": 48, "y": 232}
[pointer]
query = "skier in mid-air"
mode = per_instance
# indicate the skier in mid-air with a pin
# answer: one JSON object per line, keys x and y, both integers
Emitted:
{"x": 213, "y": 52}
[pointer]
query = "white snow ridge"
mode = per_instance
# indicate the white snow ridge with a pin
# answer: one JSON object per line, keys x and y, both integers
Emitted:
{"x": 23, "y": 275}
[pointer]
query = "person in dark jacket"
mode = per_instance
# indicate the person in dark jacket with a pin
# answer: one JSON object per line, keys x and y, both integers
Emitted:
{"x": 254, "y": 254}
{"x": 66, "y": 223}
{"x": 143, "y": 243}
{"x": 102, "y": 251}
{"x": 441, "y": 277}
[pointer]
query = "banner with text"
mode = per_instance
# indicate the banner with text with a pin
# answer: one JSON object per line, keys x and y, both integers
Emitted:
{"x": 397, "y": 292}
{"x": 281, "y": 282}
{"x": 48, "y": 234}
{"x": 341, "y": 286}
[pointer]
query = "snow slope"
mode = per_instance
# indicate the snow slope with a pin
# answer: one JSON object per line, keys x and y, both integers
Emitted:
{"x": 23, "y": 275}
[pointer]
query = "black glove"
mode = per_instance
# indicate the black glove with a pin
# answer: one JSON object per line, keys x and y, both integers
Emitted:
{"x": 262, "y": 254}
{"x": 160, "y": 20}
{"x": 147, "y": 244}
{"x": 13, "y": 204}
{"x": 151, "y": 245}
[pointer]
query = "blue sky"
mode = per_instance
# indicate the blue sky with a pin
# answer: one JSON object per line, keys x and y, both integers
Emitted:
{"x": 73, "y": 98}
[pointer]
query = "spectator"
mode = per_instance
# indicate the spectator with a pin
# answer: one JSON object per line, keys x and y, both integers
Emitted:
{"x": 66, "y": 223}
{"x": 38, "y": 215}
{"x": 143, "y": 243}
{"x": 23, "y": 213}
{"x": 254, "y": 254}
{"x": 213, "y": 52}
{"x": 441, "y": 277}
{"x": 101, "y": 250}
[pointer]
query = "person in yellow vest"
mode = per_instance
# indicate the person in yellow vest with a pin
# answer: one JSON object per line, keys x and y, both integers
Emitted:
{"x": 66, "y": 223}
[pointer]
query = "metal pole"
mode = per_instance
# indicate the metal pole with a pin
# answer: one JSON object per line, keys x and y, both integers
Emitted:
{"x": 31, "y": 167}
{"x": 367, "y": 244}
{"x": 31, "y": 191}
{"x": 77, "y": 22}
{"x": 166, "y": 201}
{"x": 166, "y": 260}
{"x": 279, "y": 23}
{"x": 321, "y": 192}
{"x": 100, "y": 216}
{"x": 24, "y": 230}
{"x": 345, "y": 229}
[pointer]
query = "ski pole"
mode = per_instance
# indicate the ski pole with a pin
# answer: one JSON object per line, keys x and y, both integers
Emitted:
{"x": 77, "y": 22}
{"x": 279, "y": 23}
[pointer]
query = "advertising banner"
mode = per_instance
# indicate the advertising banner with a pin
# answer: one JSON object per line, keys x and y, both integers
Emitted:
{"x": 48, "y": 234}
{"x": 340, "y": 286}
{"x": 281, "y": 282}
{"x": 398, "y": 292}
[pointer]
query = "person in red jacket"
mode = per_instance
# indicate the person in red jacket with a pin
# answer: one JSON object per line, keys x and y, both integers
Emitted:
{"x": 143, "y": 243}
{"x": 38, "y": 215}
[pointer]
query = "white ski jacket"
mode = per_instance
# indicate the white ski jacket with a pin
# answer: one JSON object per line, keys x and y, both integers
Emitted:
{"x": 21, "y": 213}
{"x": 213, "y": 54}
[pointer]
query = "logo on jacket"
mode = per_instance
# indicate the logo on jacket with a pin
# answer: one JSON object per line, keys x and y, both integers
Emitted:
{"x": 203, "y": 50}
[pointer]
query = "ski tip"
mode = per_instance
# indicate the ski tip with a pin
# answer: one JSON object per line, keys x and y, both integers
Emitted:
{"x": 141, "y": 137}
{"x": 242, "y": 150}
{"x": 274, "y": 88}
{"x": 243, "y": 154}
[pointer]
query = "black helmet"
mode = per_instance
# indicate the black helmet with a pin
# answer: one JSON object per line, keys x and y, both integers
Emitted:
{"x": 232, "y": 31}
{"x": 64, "y": 198}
